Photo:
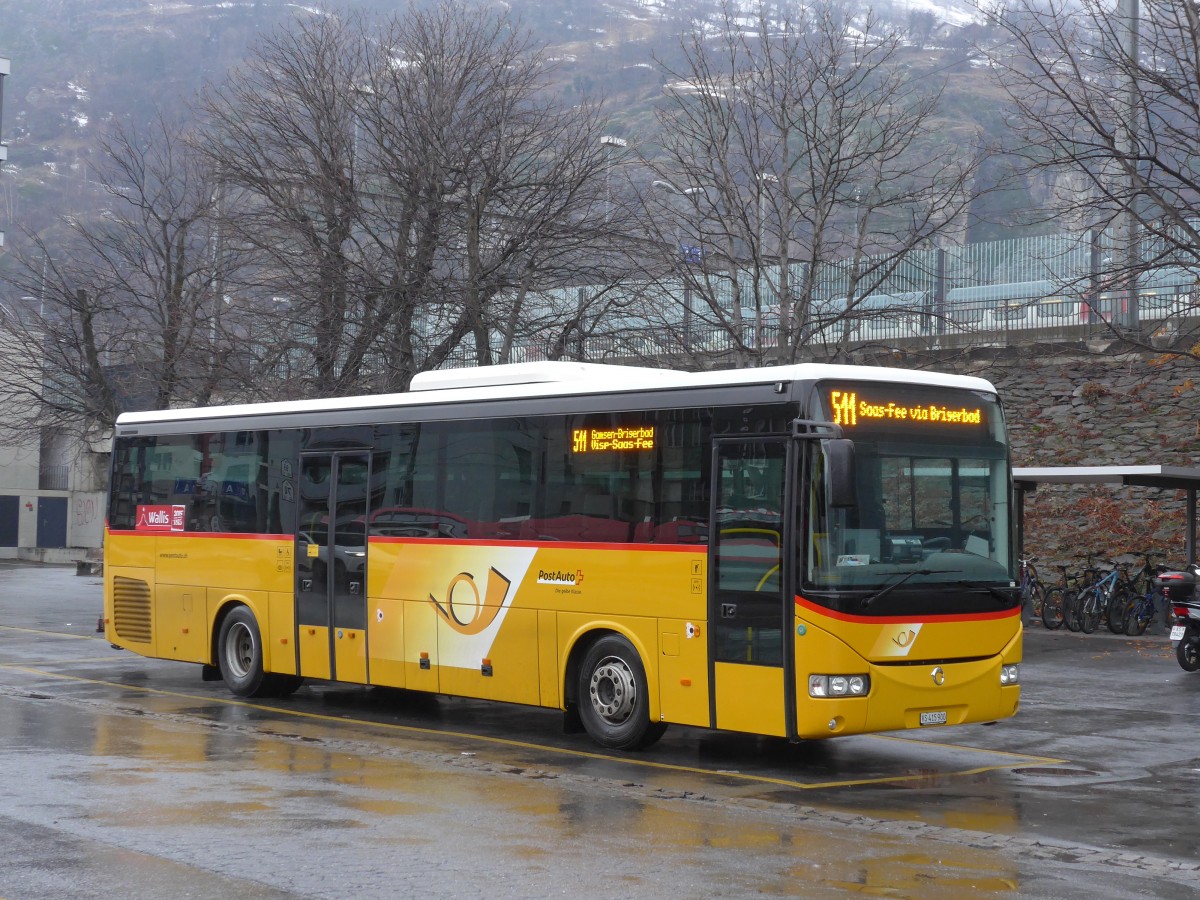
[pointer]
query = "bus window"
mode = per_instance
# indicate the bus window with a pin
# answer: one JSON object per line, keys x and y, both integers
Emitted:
{"x": 238, "y": 482}
{"x": 749, "y": 553}
{"x": 459, "y": 479}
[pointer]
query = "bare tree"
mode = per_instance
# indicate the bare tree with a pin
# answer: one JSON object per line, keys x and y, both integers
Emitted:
{"x": 402, "y": 186}
{"x": 485, "y": 186}
{"x": 120, "y": 312}
{"x": 800, "y": 164}
{"x": 282, "y": 137}
{"x": 1107, "y": 101}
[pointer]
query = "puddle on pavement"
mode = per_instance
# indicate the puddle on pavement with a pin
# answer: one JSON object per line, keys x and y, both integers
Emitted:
{"x": 931, "y": 877}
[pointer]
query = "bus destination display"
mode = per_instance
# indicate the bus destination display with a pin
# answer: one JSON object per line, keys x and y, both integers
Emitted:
{"x": 852, "y": 407}
{"x": 627, "y": 439}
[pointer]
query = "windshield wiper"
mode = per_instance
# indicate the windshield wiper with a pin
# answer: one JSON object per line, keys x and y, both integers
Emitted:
{"x": 1007, "y": 597}
{"x": 884, "y": 591}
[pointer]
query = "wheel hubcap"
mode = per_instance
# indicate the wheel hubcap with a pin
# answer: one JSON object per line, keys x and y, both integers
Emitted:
{"x": 239, "y": 650}
{"x": 613, "y": 690}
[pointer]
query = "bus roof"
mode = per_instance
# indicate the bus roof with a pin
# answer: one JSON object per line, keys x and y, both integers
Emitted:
{"x": 556, "y": 379}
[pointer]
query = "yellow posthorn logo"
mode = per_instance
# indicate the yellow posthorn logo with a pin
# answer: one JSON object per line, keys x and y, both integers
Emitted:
{"x": 464, "y": 609}
{"x": 904, "y": 637}
{"x": 896, "y": 641}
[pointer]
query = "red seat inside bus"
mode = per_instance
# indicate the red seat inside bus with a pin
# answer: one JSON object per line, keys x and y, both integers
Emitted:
{"x": 576, "y": 528}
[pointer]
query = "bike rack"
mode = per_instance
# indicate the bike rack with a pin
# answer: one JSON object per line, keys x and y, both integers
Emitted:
{"x": 1177, "y": 478}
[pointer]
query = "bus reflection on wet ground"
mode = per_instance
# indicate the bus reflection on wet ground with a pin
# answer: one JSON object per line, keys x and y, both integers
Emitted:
{"x": 101, "y": 746}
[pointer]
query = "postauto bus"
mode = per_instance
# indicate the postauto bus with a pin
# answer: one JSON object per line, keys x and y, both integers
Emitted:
{"x": 801, "y": 551}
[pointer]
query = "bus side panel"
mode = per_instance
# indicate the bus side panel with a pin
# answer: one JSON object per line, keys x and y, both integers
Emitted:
{"x": 128, "y": 590}
{"x": 313, "y": 647}
{"x": 683, "y": 672}
{"x": 420, "y": 646}
{"x": 460, "y": 609}
{"x": 616, "y": 580}
{"x": 280, "y": 640}
{"x": 548, "y": 654}
{"x": 750, "y": 698}
{"x": 350, "y": 645}
{"x": 233, "y": 562}
{"x": 509, "y": 672}
{"x": 126, "y": 548}
{"x": 181, "y": 623}
{"x": 469, "y": 605}
{"x": 385, "y": 641}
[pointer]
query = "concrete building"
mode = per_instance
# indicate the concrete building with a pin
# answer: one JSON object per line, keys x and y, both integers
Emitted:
{"x": 51, "y": 490}
{"x": 51, "y": 487}
{"x": 51, "y": 502}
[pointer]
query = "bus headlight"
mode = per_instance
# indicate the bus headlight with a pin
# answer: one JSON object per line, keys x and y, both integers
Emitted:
{"x": 1010, "y": 674}
{"x": 839, "y": 685}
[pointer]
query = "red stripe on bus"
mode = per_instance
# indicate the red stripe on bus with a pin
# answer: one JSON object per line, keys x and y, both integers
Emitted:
{"x": 898, "y": 620}
{"x": 564, "y": 545}
{"x": 241, "y": 536}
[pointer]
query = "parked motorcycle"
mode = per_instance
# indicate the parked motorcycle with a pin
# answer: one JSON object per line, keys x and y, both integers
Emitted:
{"x": 1179, "y": 590}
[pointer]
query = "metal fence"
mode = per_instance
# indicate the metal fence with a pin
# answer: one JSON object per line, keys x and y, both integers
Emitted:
{"x": 53, "y": 478}
{"x": 1021, "y": 291}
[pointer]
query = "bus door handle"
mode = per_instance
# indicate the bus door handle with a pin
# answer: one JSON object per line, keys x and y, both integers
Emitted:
{"x": 728, "y": 610}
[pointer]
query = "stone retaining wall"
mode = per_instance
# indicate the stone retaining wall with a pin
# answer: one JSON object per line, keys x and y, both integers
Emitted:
{"x": 1132, "y": 409}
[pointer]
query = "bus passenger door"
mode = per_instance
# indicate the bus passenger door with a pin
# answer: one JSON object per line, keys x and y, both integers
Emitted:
{"x": 751, "y": 577}
{"x": 331, "y": 565}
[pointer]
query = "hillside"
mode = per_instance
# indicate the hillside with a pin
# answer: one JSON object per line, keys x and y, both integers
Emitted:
{"x": 77, "y": 64}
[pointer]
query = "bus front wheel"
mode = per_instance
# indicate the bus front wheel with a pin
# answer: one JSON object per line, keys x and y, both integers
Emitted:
{"x": 614, "y": 702}
{"x": 239, "y": 654}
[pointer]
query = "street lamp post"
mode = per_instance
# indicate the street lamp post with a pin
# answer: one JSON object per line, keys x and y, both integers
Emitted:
{"x": 617, "y": 143}
{"x": 763, "y": 179}
{"x": 686, "y": 252}
{"x": 5, "y": 68}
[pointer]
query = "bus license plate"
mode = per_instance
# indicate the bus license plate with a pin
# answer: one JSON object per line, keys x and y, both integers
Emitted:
{"x": 933, "y": 718}
{"x": 1177, "y": 632}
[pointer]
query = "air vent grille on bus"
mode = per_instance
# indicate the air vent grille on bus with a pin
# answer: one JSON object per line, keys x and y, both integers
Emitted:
{"x": 131, "y": 609}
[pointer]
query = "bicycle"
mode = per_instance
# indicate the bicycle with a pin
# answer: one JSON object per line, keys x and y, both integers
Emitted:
{"x": 1062, "y": 596}
{"x": 1127, "y": 589}
{"x": 1090, "y": 603}
{"x": 1054, "y": 606}
{"x": 1033, "y": 593}
{"x": 1149, "y": 596}
{"x": 1120, "y": 597}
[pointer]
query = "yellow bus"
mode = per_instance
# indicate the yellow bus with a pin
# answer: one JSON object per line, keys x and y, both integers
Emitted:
{"x": 801, "y": 551}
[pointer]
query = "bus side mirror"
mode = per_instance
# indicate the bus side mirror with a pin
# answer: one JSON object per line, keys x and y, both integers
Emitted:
{"x": 840, "y": 473}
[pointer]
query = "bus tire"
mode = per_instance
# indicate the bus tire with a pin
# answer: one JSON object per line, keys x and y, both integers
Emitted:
{"x": 240, "y": 655}
{"x": 614, "y": 701}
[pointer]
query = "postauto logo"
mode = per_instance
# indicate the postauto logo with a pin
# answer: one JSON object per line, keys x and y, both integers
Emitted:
{"x": 556, "y": 577}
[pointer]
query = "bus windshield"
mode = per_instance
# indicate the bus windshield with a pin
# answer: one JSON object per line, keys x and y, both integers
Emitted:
{"x": 932, "y": 493}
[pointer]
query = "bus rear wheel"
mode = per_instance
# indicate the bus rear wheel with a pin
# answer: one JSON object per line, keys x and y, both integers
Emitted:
{"x": 614, "y": 702}
{"x": 240, "y": 656}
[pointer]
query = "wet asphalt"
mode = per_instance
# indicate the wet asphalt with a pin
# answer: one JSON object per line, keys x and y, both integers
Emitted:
{"x": 122, "y": 776}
